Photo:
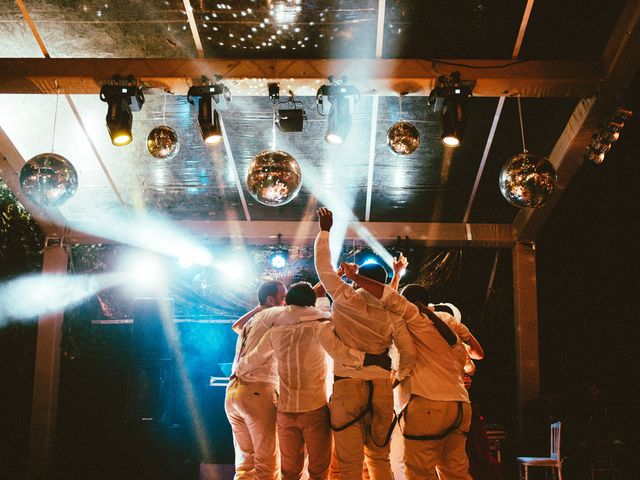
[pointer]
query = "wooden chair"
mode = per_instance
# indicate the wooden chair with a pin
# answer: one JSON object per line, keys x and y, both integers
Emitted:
{"x": 554, "y": 461}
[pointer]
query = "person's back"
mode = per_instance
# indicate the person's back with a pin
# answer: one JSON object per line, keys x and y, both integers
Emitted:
{"x": 361, "y": 405}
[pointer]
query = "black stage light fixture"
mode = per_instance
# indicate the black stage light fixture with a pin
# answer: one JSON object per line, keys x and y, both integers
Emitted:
{"x": 339, "y": 120}
{"x": 337, "y": 93}
{"x": 287, "y": 119}
{"x": 211, "y": 98}
{"x": 449, "y": 97}
{"x": 290, "y": 120}
{"x": 122, "y": 100}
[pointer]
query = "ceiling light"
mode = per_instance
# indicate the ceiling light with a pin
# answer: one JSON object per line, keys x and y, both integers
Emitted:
{"x": 122, "y": 100}
{"x": 337, "y": 93}
{"x": 449, "y": 98}
{"x": 211, "y": 98}
{"x": 279, "y": 258}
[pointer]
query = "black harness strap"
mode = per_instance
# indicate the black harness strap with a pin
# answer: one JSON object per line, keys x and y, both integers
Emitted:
{"x": 366, "y": 409}
{"x": 456, "y": 423}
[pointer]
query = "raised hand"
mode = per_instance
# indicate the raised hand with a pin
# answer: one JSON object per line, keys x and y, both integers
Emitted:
{"x": 325, "y": 218}
{"x": 400, "y": 264}
{"x": 350, "y": 270}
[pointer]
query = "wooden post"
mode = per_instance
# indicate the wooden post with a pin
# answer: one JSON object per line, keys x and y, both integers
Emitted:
{"x": 47, "y": 373}
{"x": 525, "y": 300}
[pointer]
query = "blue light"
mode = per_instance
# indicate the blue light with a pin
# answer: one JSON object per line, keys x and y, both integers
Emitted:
{"x": 278, "y": 260}
{"x": 370, "y": 261}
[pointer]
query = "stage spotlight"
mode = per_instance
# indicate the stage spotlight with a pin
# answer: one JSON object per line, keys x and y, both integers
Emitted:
{"x": 211, "y": 98}
{"x": 449, "y": 98}
{"x": 279, "y": 258}
{"x": 452, "y": 122}
{"x": 146, "y": 270}
{"x": 337, "y": 93}
{"x": 122, "y": 100}
{"x": 209, "y": 126}
{"x": 339, "y": 121}
{"x": 370, "y": 261}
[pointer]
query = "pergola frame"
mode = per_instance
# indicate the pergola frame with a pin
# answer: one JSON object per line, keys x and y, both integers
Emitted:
{"x": 596, "y": 85}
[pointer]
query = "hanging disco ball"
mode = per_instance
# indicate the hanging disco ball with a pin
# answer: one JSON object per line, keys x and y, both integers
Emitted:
{"x": 163, "y": 143}
{"x": 204, "y": 284}
{"x": 49, "y": 180}
{"x": 274, "y": 178}
{"x": 403, "y": 138}
{"x": 527, "y": 181}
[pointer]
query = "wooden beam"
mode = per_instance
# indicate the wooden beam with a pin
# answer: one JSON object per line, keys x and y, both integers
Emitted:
{"x": 50, "y": 220}
{"x": 46, "y": 376}
{"x": 620, "y": 62}
{"x": 525, "y": 303}
{"x": 303, "y": 76}
{"x": 303, "y": 233}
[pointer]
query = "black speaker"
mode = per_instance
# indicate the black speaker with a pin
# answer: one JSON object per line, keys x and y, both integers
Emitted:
{"x": 153, "y": 328}
{"x": 151, "y": 387}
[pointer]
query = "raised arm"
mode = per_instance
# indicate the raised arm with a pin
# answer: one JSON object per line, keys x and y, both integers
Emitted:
{"x": 242, "y": 321}
{"x": 322, "y": 255}
{"x": 399, "y": 266}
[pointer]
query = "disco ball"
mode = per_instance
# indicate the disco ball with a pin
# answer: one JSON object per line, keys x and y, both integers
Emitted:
{"x": 163, "y": 143}
{"x": 49, "y": 180}
{"x": 403, "y": 138}
{"x": 527, "y": 181}
{"x": 204, "y": 284}
{"x": 274, "y": 178}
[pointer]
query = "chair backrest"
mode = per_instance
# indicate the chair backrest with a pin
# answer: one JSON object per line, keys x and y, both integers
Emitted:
{"x": 555, "y": 440}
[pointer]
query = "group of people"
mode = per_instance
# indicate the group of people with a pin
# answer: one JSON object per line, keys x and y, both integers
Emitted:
{"x": 398, "y": 371}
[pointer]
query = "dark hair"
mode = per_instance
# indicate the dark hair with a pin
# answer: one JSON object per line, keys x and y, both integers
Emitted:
{"x": 301, "y": 294}
{"x": 414, "y": 292}
{"x": 373, "y": 271}
{"x": 268, "y": 289}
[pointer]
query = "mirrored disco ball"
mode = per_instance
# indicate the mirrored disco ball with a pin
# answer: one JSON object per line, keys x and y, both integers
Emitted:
{"x": 403, "y": 138}
{"x": 162, "y": 142}
{"x": 204, "y": 284}
{"x": 274, "y": 178}
{"x": 49, "y": 180}
{"x": 527, "y": 181}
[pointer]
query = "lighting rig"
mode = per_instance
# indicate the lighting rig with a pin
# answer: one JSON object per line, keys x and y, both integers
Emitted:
{"x": 601, "y": 142}
{"x": 340, "y": 94}
{"x": 123, "y": 96}
{"x": 211, "y": 98}
{"x": 289, "y": 119}
{"x": 449, "y": 97}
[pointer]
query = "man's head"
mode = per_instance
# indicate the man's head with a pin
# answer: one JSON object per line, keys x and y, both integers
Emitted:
{"x": 271, "y": 293}
{"x": 416, "y": 293}
{"x": 301, "y": 294}
{"x": 373, "y": 271}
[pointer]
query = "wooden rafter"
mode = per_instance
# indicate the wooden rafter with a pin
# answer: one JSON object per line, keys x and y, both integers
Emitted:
{"x": 304, "y": 76}
{"x": 303, "y": 233}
